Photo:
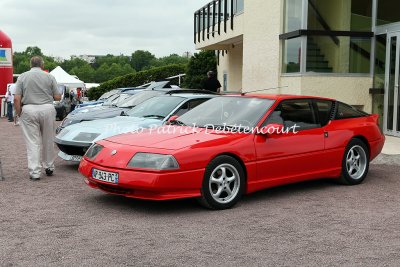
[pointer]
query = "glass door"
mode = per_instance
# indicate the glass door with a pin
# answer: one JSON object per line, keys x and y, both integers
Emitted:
{"x": 392, "y": 101}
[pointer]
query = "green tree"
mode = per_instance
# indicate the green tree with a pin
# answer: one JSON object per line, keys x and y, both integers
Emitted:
{"x": 172, "y": 59}
{"x": 198, "y": 67}
{"x": 31, "y": 51}
{"x": 142, "y": 59}
{"x": 85, "y": 73}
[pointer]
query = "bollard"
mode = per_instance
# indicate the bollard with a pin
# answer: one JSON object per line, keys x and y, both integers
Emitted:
{"x": 2, "y": 178}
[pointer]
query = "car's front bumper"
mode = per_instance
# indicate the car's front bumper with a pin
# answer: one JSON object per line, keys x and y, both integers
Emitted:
{"x": 72, "y": 148}
{"x": 146, "y": 185}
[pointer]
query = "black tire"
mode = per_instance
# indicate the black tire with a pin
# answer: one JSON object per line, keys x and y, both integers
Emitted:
{"x": 355, "y": 163}
{"x": 227, "y": 168}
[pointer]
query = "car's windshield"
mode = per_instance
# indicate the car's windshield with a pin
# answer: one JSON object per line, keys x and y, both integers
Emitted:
{"x": 122, "y": 97}
{"x": 108, "y": 94}
{"x": 158, "y": 85}
{"x": 111, "y": 100}
{"x": 157, "y": 107}
{"x": 139, "y": 98}
{"x": 228, "y": 110}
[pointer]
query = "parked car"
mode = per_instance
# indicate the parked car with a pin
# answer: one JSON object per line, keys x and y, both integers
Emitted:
{"x": 105, "y": 96}
{"x": 116, "y": 109}
{"x": 74, "y": 141}
{"x": 235, "y": 145}
{"x": 108, "y": 108}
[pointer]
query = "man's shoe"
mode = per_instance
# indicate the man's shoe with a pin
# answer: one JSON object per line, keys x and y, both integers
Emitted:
{"x": 34, "y": 179}
{"x": 49, "y": 172}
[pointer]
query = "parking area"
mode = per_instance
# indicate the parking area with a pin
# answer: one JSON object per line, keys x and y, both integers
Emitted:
{"x": 59, "y": 221}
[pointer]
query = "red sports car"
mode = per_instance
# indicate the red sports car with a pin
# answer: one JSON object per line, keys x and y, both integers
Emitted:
{"x": 235, "y": 145}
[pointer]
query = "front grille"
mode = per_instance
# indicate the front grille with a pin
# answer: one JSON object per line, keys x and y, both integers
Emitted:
{"x": 73, "y": 150}
{"x": 114, "y": 190}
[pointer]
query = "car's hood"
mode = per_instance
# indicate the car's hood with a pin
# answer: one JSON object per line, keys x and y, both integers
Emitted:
{"x": 86, "y": 109}
{"x": 176, "y": 137}
{"x": 91, "y": 131}
{"x": 97, "y": 113}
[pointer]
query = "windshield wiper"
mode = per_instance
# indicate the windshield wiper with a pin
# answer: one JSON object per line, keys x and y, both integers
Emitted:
{"x": 154, "y": 116}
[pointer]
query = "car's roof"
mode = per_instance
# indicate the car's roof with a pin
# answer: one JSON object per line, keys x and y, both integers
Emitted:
{"x": 132, "y": 92}
{"x": 190, "y": 95}
{"x": 130, "y": 89}
{"x": 279, "y": 96}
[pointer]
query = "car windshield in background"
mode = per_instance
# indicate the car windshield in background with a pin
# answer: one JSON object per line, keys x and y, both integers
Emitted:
{"x": 108, "y": 94}
{"x": 157, "y": 107}
{"x": 110, "y": 100}
{"x": 139, "y": 98}
{"x": 121, "y": 99}
{"x": 158, "y": 85}
{"x": 227, "y": 111}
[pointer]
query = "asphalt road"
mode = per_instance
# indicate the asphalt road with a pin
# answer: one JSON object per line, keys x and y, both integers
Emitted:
{"x": 59, "y": 221}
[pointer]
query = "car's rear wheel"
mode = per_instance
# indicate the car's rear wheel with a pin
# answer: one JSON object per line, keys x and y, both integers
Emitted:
{"x": 223, "y": 183}
{"x": 355, "y": 163}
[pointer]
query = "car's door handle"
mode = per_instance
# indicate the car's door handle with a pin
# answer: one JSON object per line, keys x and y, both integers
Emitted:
{"x": 326, "y": 134}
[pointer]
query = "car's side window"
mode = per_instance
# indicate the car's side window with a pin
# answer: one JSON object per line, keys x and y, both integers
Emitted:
{"x": 324, "y": 111}
{"x": 188, "y": 106}
{"x": 345, "y": 111}
{"x": 295, "y": 114}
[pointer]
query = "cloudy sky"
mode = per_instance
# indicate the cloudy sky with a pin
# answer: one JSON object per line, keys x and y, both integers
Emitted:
{"x": 75, "y": 27}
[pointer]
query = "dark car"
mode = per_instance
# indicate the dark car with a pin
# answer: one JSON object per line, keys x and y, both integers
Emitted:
{"x": 63, "y": 106}
{"x": 104, "y": 112}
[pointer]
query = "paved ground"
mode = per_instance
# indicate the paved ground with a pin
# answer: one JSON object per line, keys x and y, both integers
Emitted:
{"x": 59, "y": 221}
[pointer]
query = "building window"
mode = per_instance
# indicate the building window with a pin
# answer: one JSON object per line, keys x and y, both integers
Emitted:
{"x": 293, "y": 15}
{"x": 355, "y": 15}
{"x": 338, "y": 36}
{"x": 387, "y": 12}
{"x": 291, "y": 55}
{"x": 238, "y": 6}
{"x": 347, "y": 55}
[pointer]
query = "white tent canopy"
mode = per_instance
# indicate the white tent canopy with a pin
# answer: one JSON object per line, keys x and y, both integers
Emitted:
{"x": 62, "y": 77}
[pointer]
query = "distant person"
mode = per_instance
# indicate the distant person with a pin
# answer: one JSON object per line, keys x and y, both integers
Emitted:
{"x": 12, "y": 91}
{"x": 211, "y": 83}
{"x": 10, "y": 100}
{"x": 34, "y": 95}
{"x": 74, "y": 100}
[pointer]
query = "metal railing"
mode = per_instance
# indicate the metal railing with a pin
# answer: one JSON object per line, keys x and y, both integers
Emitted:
{"x": 214, "y": 16}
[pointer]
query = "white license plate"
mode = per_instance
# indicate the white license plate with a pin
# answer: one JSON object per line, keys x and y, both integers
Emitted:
{"x": 110, "y": 177}
{"x": 64, "y": 156}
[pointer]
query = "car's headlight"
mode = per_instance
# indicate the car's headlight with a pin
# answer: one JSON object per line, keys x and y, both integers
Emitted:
{"x": 93, "y": 151}
{"x": 153, "y": 161}
{"x": 86, "y": 137}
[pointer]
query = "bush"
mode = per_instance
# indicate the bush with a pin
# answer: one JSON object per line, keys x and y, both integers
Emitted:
{"x": 137, "y": 79}
{"x": 198, "y": 67}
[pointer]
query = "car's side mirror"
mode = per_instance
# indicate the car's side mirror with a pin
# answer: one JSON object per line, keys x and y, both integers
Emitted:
{"x": 171, "y": 119}
{"x": 271, "y": 129}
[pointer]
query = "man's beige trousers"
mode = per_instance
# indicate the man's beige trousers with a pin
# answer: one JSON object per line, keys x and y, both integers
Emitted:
{"x": 38, "y": 127}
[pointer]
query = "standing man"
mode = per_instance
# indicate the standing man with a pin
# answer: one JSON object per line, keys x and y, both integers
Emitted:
{"x": 10, "y": 101}
{"x": 34, "y": 95}
{"x": 211, "y": 83}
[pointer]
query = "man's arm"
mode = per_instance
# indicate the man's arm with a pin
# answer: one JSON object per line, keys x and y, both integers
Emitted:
{"x": 17, "y": 104}
{"x": 56, "y": 93}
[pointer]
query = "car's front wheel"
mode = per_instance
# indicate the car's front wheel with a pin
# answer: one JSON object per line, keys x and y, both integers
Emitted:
{"x": 355, "y": 163}
{"x": 223, "y": 183}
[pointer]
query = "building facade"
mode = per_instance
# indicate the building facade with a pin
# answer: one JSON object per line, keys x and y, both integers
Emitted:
{"x": 344, "y": 49}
